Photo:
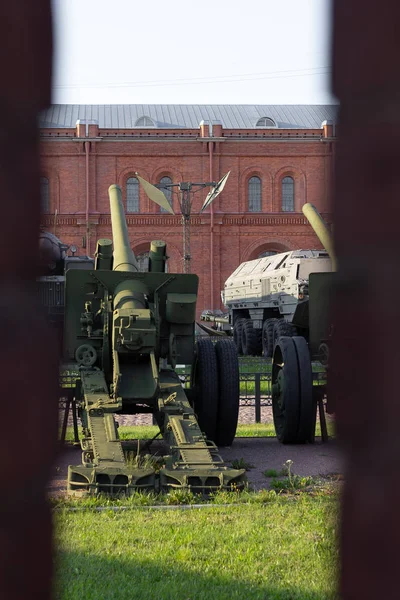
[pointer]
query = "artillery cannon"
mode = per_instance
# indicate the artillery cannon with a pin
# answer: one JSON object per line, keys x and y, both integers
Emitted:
{"x": 126, "y": 330}
{"x": 52, "y": 266}
{"x": 220, "y": 325}
{"x": 294, "y": 397}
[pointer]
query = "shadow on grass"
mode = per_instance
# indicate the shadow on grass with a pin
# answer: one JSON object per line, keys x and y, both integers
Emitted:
{"x": 88, "y": 576}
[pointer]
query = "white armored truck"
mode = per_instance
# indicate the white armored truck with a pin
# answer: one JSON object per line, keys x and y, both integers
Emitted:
{"x": 263, "y": 295}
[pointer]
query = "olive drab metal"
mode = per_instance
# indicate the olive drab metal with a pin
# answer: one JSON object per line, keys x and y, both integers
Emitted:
{"x": 126, "y": 330}
{"x": 294, "y": 396}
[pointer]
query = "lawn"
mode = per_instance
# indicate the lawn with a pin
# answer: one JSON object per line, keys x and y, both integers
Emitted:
{"x": 274, "y": 547}
{"x": 146, "y": 432}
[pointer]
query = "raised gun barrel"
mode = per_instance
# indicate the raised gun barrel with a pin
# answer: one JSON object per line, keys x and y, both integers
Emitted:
{"x": 157, "y": 256}
{"x": 124, "y": 258}
{"x": 127, "y": 294}
{"x": 321, "y": 230}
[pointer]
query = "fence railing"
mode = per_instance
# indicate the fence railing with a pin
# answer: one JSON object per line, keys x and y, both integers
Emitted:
{"x": 255, "y": 375}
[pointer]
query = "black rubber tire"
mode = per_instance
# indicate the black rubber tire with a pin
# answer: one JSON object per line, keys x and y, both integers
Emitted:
{"x": 286, "y": 399}
{"x": 268, "y": 337}
{"x": 308, "y": 406}
{"x": 204, "y": 385}
{"x": 283, "y": 328}
{"x": 229, "y": 392}
{"x": 237, "y": 335}
{"x": 251, "y": 339}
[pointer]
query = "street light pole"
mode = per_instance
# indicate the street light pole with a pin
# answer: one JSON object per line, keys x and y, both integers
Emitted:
{"x": 186, "y": 192}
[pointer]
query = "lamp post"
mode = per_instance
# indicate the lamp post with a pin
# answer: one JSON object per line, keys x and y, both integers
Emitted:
{"x": 186, "y": 191}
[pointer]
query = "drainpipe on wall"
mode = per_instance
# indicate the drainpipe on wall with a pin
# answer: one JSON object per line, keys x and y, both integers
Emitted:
{"x": 87, "y": 148}
{"x": 210, "y": 152}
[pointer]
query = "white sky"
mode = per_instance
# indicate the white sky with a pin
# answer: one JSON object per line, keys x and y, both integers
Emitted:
{"x": 192, "y": 52}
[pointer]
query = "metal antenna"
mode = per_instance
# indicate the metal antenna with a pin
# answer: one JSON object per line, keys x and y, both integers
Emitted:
{"x": 186, "y": 192}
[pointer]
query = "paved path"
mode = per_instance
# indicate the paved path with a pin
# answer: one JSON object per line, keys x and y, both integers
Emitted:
{"x": 262, "y": 453}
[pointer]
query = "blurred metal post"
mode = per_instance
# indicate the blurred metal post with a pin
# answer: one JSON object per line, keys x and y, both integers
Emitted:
{"x": 28, "y": 357}
{"x": 257, "y": 390}
{"x": 366, "y": 80}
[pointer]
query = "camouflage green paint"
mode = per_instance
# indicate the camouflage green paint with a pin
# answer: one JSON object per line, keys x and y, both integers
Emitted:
{"x": 127, "y": 330}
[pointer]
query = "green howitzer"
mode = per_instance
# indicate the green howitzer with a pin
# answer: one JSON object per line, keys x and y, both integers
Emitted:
{"x": 213, "y": 319}
{"x": 127, "y": 330}
{"x": 321, "y": 230}
{"x": 295, "y": 398}
{"x": 221, "y": 325}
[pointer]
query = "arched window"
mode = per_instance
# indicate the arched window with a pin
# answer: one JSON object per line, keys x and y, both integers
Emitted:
{"x": 143, "y": 262}
{"x": 288, "y": 194}
{"x": 44, "y": 195}
{"x": 267, "y": 253}
{"x": 132, "y": 195}
{"x": 265, "y": 122}
{"x": 167, "y": 191}
{"x": 254, "y": 194}
{"x": 144, "y": 122}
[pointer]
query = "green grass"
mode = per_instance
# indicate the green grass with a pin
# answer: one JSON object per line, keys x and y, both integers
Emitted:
{"x": 256, "y": 430}
{"x": 146, "y": 432}
{"x": 241, "y": 463}
{"x": 295, "y": 482}
{"x": 282, "y": 549}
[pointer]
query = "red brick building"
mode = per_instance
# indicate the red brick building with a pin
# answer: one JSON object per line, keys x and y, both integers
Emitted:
{"x": 279, "y": 157}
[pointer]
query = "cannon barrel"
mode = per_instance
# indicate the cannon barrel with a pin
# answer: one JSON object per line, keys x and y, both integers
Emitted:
{"x": 213, "y": 319}
{"x": 127, "y": 294}
{"x": 124, "y": 258}
{"x": 157, "y": 256}
{"x": 321, "y": 230}
{"x": 104, "y": 254}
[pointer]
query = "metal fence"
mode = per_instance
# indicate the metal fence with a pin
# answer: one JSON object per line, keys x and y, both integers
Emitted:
{"x": 255, "y": 381}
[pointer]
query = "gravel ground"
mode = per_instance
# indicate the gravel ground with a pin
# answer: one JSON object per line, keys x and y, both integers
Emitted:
{"x": 246, "y": 416}
{"x": 262, "y": 453}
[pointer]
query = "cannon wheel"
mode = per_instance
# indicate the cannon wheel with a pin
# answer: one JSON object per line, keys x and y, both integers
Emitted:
{"x": 204, "y": 385}
{"x": 293, "y": 405}
{"x": 237, "y": 334}
{"x": 308, "y": 405}
{"x": 285, "y": 391}
{"x": 229, "y": 392}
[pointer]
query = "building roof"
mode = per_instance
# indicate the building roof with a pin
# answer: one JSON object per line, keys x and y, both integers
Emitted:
{"x": 188, "y": 116}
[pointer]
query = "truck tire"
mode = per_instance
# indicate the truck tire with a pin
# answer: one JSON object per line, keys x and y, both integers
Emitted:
{"x": 285, "y": 391}
{"x": 268, "y": 337}
{"x": 293, "y": 402}
{"x": 283, "y": 328}
{"x": 229, "y": 392}
{"x": 204, "y": 386}
{"x": 237, "y": 334}
{"x": 308, "y": 404}
{"x": 251, "y": 339}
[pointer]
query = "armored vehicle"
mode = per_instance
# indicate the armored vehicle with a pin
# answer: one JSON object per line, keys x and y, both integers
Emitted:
{"x": 125, "y": 330}
{"x": 53, "y": 265}
{"x": 262, "y": 296}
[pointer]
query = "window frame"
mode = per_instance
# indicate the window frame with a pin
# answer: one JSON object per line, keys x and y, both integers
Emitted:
{"x": 137, "y": 186}
{"x": 285, "y": 195}
{"x": 249, "y": 194}
{"x": 141, "y": 122}
{"x": 168, "y": 195}
{"x": 262, "y": 122}
{"x": 44, "y": 205}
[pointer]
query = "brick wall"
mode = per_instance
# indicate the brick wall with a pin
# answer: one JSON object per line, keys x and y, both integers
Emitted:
{"x": 80, "y": 169}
